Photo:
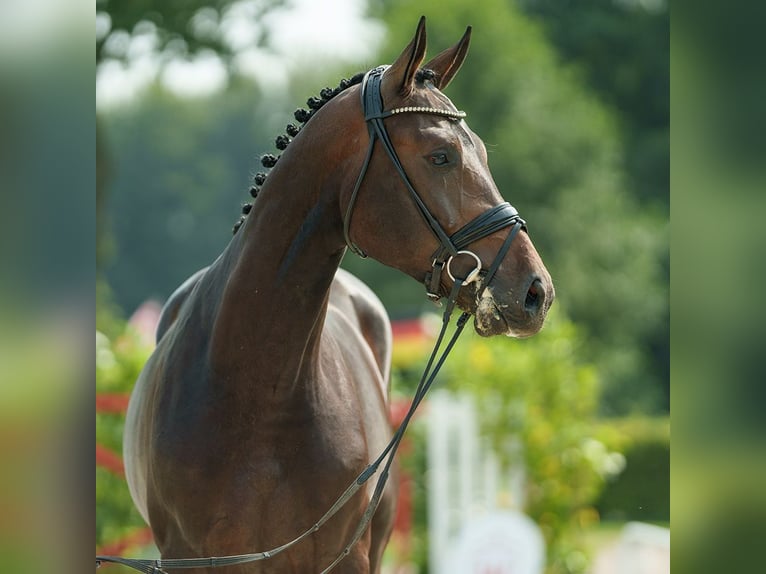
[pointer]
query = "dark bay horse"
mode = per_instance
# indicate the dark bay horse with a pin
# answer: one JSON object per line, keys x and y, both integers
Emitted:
{"x": 267, "y": 393}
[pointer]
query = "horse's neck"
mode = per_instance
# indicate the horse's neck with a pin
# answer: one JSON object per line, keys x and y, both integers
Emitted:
{"x": 272, "y": 309}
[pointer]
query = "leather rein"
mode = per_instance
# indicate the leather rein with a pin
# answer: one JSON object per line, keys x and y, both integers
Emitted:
{"x": 496, "y": 218}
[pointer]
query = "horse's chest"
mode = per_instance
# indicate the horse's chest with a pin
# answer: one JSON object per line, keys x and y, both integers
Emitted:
{"x": 266, "y": 446}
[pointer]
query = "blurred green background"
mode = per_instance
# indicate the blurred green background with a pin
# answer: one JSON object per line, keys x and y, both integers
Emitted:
{"x": 572, "y": 100}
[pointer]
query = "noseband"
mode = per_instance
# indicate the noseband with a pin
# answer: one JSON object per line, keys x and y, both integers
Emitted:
{"x": 450, "y": 246}
{"x": 494, "y": 219}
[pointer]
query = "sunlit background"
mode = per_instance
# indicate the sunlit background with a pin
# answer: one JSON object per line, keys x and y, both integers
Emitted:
{"x": 570, "y": 428}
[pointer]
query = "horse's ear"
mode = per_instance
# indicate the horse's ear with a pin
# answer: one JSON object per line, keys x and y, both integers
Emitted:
{"x": 402, "y": 72}
{"x": 446, "y": 64}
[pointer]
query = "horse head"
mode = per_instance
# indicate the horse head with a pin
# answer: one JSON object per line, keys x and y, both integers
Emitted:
{"x": 446, "y": 164}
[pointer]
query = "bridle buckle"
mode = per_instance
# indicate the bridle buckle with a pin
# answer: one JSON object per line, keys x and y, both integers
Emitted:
{"x": 473, "y": 275}
{"x": 434, "y": 298}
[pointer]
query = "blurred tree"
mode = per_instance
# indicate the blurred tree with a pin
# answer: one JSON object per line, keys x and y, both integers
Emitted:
{"x": 642, "y": 491}
{"x": 171, "y": 29}
{"x": 622, "y": 49}
{"x": 183, "y": 169}
{"x": 556, "y": 153}
{"x": 538, "y": 405}
{"x": 182, "y": 27}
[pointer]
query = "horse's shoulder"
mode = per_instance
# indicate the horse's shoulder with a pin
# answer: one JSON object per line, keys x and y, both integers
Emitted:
{"x": 174, "y": 303}
{"x": 357, "y": 302}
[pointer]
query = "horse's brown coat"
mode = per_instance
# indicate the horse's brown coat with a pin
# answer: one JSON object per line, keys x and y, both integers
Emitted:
{"x": 267, "y": 392}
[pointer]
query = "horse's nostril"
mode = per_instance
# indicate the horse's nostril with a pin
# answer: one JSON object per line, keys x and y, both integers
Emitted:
{"x": 535, "y": 297}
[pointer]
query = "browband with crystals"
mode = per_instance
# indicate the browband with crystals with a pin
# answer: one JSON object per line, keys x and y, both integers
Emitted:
{"x": 456, "y": 115}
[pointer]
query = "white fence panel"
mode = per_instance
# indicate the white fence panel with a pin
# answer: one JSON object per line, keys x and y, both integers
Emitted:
{"x": 465, "y": 485}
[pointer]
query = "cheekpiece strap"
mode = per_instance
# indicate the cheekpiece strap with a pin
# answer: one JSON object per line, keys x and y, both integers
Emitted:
{"x": 496, "y": 218}
{"x": 372, "y": 105}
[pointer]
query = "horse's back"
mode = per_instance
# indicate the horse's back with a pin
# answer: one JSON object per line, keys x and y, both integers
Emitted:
{"x": 173, "y": 305}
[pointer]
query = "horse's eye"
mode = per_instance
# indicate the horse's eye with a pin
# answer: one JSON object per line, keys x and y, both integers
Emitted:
{"x": 439, "y": 159}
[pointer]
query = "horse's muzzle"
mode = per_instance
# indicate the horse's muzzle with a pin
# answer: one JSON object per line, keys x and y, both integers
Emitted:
{"x": 511, "y": 315}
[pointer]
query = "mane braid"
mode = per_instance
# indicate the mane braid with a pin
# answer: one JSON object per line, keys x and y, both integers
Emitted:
{"x": 302, "y": 115}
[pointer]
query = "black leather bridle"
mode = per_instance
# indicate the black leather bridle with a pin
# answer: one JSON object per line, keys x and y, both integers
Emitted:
{"x": 495, "y": 219}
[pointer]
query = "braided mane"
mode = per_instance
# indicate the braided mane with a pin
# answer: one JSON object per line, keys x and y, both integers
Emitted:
{"x": 302, "y": 116}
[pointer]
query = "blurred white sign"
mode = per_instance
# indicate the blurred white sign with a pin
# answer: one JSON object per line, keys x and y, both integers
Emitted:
{"x": 502, "y": 542}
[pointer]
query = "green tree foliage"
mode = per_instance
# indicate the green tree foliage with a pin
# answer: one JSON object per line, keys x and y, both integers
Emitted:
{"x": 172, "y": 29}
{"x": 538, "y": 402}
{"x": 182, "y": 26}
{"x": 622, "y": 49}
{"x": 182, "y": 171}
{"x": 556, "y": 153}
{"x": 642, "y": 490}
